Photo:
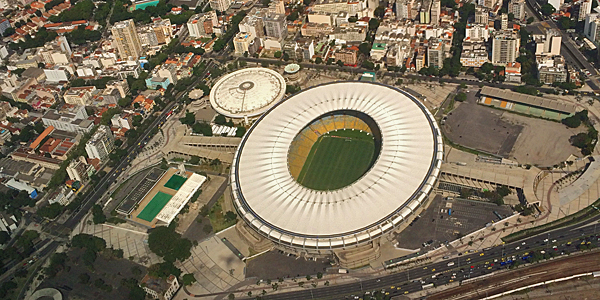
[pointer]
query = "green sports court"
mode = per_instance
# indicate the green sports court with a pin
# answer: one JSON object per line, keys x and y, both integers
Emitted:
{"x": 175, "y": 182}
{"x": 155, "y": 206}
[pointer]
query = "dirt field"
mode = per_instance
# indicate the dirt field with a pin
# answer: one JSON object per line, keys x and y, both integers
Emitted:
{"x": 541, "y": 142}
{"x": 588, "y": 262}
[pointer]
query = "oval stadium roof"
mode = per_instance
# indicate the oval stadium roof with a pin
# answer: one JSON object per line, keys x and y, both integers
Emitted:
{"x": 247, "y": 92}
{"x": 271, "y": 201}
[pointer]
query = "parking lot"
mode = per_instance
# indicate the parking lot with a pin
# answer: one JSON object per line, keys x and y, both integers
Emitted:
{"x": 480, "y": 127}
{"x": 275, "y": 264}
{"x": 437, "y": 225}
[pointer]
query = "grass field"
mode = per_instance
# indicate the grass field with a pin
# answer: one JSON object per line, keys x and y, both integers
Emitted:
{"x": 154, "y": 206}
{"x": 337, "y": 159}
{"x": 175, "y": 182}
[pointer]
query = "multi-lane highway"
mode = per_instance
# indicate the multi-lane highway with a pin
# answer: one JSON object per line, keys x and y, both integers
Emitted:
{"x": 461, "y": 266}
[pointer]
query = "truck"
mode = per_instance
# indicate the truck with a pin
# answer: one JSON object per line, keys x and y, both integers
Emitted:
{"x": 450, "y": 264}
{"x": 449, "y": 211}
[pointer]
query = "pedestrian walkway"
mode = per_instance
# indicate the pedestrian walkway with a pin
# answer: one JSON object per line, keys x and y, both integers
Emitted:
{"x": 214, "y": 266}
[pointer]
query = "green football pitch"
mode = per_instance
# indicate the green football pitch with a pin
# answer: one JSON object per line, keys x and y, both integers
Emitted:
{"x": 337, "y": 159}
{"x": 154, "y": 206}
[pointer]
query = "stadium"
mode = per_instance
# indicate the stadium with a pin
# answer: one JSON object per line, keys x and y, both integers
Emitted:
{"x": 334, "y": 168}
{"x": 247, "y": 93}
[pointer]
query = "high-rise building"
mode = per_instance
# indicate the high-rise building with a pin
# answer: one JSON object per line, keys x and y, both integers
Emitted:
{"x": 482, "y": 15}
{"x": 548, "y": 44}
{"x": 277, "y": 7}
{"x": 201, "y": 25}
{"x": 403, "y": 9}
{"x": 275, "y": 26}
{"x": 245, "y": 42}
{"x": 517, "y": 8}
{"x": 584, "y": 8}
{"x": 100, "y": 144}
{"x": 220, "y": 5}
{"x": 435, "y": 53}
{"x": 254, "y": 24}
{"x": 436, "y": 9}
{"x": 425, "y": 12}
{"x": 127, "y": 40}
{"x": 163, "y": 30}
{"x": 504, "y": 22}
{"x": 592, "y": 28}
{"x": 505, "y": 47}
{"x": 477, "y": 32}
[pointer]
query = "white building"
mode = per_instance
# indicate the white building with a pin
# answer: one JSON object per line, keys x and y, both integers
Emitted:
{"x": 220, "y": 5}
{"x": 584, "y": 9}
{"x": 505, "y": 47}
{"x": 590, "y": 30}
{"x": 556, "y": 3}
{"x": 517, "y": 8}
{"x": 56, "y": 75}
{"x": 101, "y": 143}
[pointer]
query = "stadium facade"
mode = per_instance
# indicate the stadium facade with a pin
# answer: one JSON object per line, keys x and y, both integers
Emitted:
{"x": 350, "y": 221}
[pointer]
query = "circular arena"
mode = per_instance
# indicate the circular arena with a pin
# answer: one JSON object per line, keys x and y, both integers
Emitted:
{"x": 247, "y": 92}
{"x": 336, "y": 166}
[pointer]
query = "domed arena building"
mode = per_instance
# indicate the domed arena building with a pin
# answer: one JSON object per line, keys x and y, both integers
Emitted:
{"x": 334, "y": 169}
{"x": 247, "y": 93}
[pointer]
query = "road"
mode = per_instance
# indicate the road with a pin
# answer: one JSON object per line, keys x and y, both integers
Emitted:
{"x": 398, "y": 75}
{"x": 465, "y": 266}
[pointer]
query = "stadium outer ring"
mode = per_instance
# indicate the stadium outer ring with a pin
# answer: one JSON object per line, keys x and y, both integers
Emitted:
{"x": 252, "y": 190}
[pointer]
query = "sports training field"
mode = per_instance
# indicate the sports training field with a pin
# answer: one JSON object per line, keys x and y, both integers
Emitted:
{"x": 337, "y": 159}
{"x": 175, "y": 182}
{"x": 154, "y": 206}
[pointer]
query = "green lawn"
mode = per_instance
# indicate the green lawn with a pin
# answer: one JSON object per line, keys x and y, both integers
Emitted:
{"x": 337, "y": 159}
{"x": 154, "y": 206}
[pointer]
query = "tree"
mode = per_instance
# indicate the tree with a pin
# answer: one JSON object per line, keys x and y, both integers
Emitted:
{"x": 50, "y": 211}
{"x": 373, "y": 24}
{"x": 460, "y": 97}
{"x": 188, "y": 279}
{"x": 379, "y": 12}
{"x": 511, "y": 16}
{"x": 230, "y": 216}
{"x": 318, "y": 60}
{"x": 277, "y": 54}
{"x": 575, "y": 120}
{"x": 189, "y": 119}
{"x": 340, "y": 63}
{"x": 566, "y": 23}
{"x": 167, "y": 243}
{"x": 531, "y": 19}
{"x": 4, "y": 237}
{"x": 240, "y": 131}
{"x": 231, "y": 297}
{"x": 194, "y": 160}
{"x": 125, "y": 102}
{"x": 98, "y": 214}
{"x": 220, "y": 119}
{"x": 163, "y": 270}
{"x": 90, "y": 242}
{"x": 84, "y": 278}
{"x": 365, "y": 48}
{"x": 547, "y": 9}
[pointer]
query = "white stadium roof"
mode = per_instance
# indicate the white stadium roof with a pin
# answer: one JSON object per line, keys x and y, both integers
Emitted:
{"x": 271, "y": 201}
{"x": 181, "y": 198}
{"x": 247, "y": 92}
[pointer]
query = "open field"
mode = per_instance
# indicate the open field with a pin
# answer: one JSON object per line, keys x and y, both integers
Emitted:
{"x": 337, "y": 159}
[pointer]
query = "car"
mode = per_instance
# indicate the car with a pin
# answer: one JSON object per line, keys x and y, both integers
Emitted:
{"x": 424, "y": 268}
{"x": 517, "y": 248}
{"x": 468, "y": 259}
{"x": 392, "y": 287}
{"x": 405, "y": 292}
{"x": 489, "y": 268}
{"x": 481, "y": 254}
{"x": 432, "y": 270}
{"x": 472, "y": 267}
